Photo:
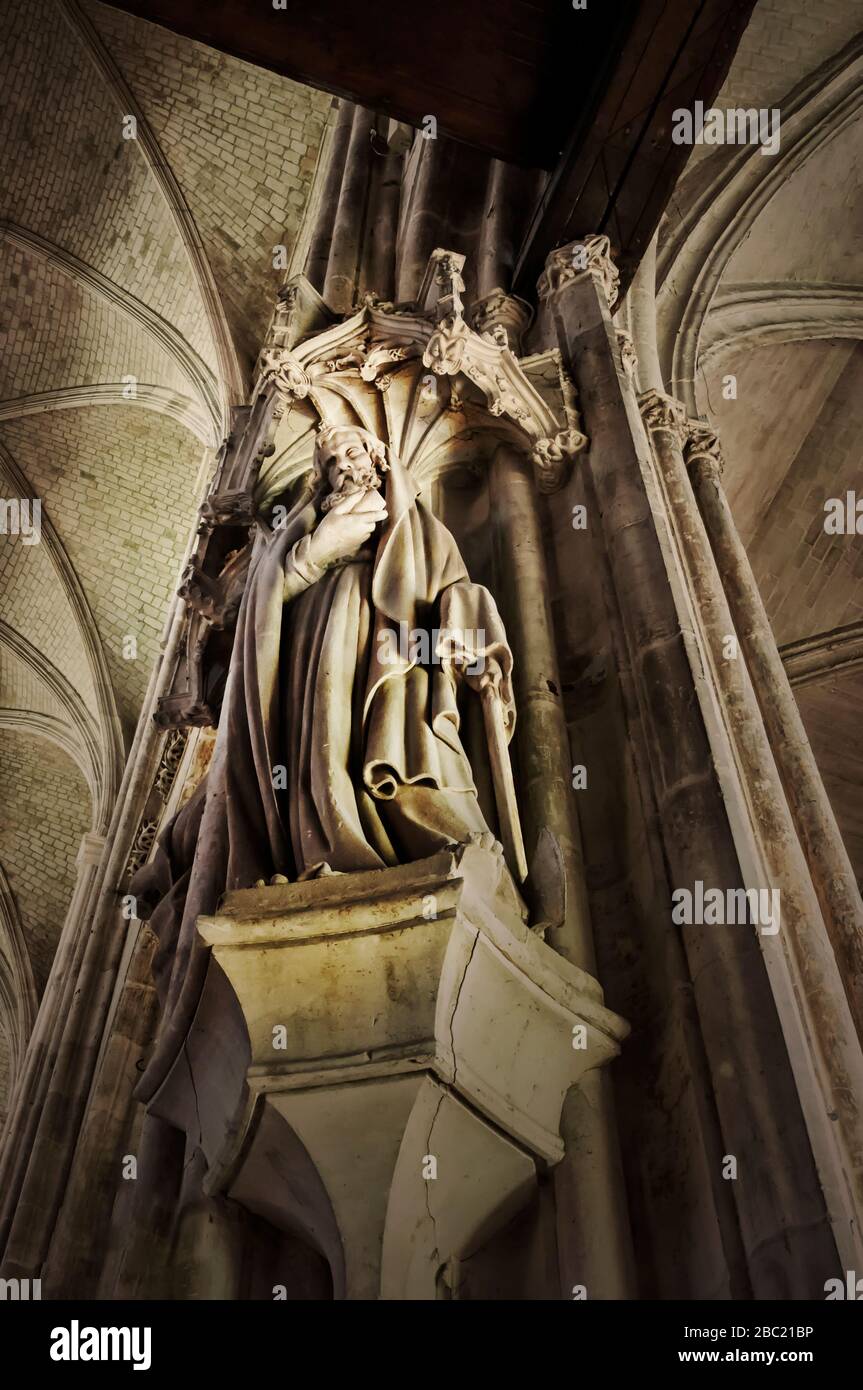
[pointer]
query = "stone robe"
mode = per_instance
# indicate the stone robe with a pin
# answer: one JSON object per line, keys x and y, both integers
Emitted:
{"x": 328, "y": 754}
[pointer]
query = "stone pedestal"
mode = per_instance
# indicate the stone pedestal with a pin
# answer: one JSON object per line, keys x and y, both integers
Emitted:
{"x": 412, "y": 1043}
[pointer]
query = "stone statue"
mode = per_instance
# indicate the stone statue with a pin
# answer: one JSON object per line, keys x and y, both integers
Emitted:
{"x": 339, "y": 743}
{"x": 376, "y": 773}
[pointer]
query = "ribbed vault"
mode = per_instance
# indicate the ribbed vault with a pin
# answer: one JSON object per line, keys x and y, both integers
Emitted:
{"x": 136, "y": 278}
{"x": 760, "y": 313}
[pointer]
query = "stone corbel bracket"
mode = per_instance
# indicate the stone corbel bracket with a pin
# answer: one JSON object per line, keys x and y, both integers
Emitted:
{"x": 421, "y": 1018}
{"x": 552, "y": 458}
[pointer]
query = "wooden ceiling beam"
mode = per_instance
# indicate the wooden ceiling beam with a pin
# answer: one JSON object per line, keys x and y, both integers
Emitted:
{"x": 502, "y": 75}
{"x": 620, "y": 166}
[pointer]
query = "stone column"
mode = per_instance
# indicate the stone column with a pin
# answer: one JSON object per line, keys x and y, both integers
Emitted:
{"x": 593, "y": 1229}
{"x": 78, "y": 1246}
{"x": 345, "y": 249}
{"x": 832, "y": 873}
{"x": 785, "y": 1234}
{"x": 819, "y": 1031}
{"x": 545, "y": 796}
{"x": 641, "y": 302}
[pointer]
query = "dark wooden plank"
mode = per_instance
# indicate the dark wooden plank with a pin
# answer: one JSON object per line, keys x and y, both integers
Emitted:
{"x": 507, "y": 76}
{"x": 618, "y": 172}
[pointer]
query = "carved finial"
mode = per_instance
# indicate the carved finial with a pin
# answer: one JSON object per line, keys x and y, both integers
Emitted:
{"x": 279, "y": 367}
{"x": 442, "y": 286}
{"x": 589, "y": 256}
{"x": 449, "y": 282}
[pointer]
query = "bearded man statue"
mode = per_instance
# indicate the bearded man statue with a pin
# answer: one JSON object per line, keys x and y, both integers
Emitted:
{"x": 339, "y": 743}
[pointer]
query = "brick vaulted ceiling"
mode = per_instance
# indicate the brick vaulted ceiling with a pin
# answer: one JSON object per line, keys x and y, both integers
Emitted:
{"x": 136, "y": 280}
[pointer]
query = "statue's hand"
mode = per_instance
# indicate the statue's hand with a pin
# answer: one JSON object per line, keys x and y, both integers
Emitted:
{"x": 490, "y": 674}
{"x": 346, "y": 527}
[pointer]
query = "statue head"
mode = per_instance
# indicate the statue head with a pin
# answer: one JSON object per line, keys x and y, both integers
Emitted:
{"x": 348, "y": 459}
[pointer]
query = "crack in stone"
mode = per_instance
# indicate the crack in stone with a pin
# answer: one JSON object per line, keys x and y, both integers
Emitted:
{"x": 435, "y": 1251}
{"x": 428, "y": 1144}
{"x": 456, "y": 1004}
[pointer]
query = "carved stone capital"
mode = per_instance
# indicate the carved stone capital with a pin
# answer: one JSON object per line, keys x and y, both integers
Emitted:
{"x": 661, "y": 412}
{"x": 552, "y": 458}
{"x": 589, "y": 256}
{"x": 702, "y": 451}
{"x": 500, "y": 312}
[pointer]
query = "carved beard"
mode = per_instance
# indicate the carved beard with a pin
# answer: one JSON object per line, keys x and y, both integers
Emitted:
{"x": 356, "y": 477}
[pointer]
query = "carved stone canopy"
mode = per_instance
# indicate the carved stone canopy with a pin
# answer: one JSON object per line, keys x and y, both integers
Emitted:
{"x": 381, "y": 339}
{"x": 440, "y": 391}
